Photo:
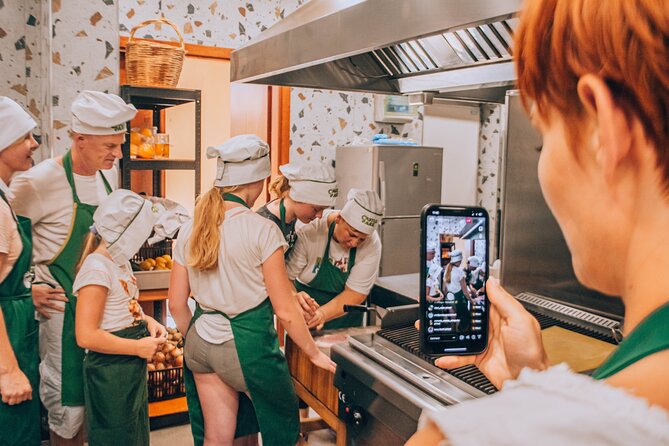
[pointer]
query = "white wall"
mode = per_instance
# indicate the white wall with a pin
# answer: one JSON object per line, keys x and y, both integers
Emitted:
{"x": 456, "y": 129}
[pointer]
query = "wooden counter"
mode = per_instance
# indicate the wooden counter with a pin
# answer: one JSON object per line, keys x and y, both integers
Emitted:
{"x": 314, "y": 385}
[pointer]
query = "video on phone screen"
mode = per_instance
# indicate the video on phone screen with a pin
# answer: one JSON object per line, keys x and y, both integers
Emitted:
{"x": 455, "y": 278}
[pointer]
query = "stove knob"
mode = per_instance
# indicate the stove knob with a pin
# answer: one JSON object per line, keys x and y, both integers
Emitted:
{"x": 357, "y": 418}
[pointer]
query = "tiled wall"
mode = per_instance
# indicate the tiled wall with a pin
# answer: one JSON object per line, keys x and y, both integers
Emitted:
{"x": 320, "y": 119}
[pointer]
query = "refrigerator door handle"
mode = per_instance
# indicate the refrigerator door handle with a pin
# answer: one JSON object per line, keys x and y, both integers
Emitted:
{"x": 382, "y": 182}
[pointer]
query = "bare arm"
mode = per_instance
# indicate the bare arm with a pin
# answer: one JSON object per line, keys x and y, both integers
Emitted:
{"x": 90, "y": 308}
{"x": 282, "y": 295}
{"x": 14, "y": 386}
{"x": 177, "y": 297}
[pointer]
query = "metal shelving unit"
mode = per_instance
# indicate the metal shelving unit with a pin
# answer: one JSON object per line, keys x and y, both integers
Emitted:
{"x": 156, "y": 100}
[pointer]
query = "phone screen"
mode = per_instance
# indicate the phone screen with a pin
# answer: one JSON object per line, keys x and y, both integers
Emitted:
{"x": 453, "y": 302}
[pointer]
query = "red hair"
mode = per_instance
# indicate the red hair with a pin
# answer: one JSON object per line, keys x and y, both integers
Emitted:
{"x": 625, "y": 42}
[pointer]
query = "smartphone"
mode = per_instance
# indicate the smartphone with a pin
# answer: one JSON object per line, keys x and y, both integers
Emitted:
{"x": 454, "y": 306}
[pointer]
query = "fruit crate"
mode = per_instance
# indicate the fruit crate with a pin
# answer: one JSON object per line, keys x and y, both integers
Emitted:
{"x": 152, "y": 280}
{"x": 152, "y": 251}
{"x": 166, "y": 384}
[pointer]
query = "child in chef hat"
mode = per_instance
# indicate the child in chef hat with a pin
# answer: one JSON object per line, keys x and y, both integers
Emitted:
{"x": 110, "y": 324}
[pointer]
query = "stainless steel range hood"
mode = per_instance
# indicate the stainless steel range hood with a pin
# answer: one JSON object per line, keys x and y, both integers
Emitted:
{"x": 458, "y": 49}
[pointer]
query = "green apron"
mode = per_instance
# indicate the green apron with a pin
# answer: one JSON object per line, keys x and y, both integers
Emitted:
{"x": 650, "y": 336}
{"x": 462, "y": 311}
{"x": 273, "y": 411}
{"x": 117, "y": 399}
{"x": 19, "y": 314}
{"x": 328, "y": 283}
{"x": 62, "y": 268}
{"x": 287, "y": 230}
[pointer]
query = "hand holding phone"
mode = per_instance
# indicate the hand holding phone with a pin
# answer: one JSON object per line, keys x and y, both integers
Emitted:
{"x": 454, "y": 257}
{"x": 515, "y": 341}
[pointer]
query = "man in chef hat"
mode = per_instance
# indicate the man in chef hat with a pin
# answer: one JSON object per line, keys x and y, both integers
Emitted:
{"x": 336, "y": 259}
{"x": 60, "y": 196}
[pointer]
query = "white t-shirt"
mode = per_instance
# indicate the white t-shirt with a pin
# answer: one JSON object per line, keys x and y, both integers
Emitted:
{"x": 119, "y": 280}
{"x": 456, "y": 276}
{"x": 305, "y": 258}
{"x": 553, "y": 408}
{"x": 238, "y": 284}
{"x": 10, "y": 239}
{"x": 433, "y": 277}
{"x": 44, "y": 195}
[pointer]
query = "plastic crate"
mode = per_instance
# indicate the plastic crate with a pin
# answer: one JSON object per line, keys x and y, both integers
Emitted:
{"x": 166, "y": 384}
{"x": 152, "y": 251}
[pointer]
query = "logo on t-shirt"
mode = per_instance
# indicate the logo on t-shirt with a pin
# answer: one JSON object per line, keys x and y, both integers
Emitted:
{"x": 341, "y": 264}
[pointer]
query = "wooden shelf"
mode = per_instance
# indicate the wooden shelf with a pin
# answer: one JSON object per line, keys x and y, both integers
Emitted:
{"x": 152, "y": 295}
{"x": 160, "y": 164}
{"x": 168, "y": 407}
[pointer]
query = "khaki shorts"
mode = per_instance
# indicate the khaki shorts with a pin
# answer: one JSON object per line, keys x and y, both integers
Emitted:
{"x": 205, "y": 357}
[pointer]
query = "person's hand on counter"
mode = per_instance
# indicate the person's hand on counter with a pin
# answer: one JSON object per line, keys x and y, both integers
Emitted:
{"x": 514, "y": 340}
{"x": 46, "y": 298}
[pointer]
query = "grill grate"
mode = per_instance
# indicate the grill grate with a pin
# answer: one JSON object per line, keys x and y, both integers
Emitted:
{"x": 547, "y": 321}
{"x": 406, "y": 337}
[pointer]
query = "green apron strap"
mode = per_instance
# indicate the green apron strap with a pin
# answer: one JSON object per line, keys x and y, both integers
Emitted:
{"x": 649, "y": 337}
{"x": 117, "y": 400}
{"x": 329, "y": 282}
{"x": 67, "y": 165}
{"x": 234, "y": 198}
{"x": 282, "y": 216}
{"x": 22, "y": 330}
{"x": 62, "y": 268}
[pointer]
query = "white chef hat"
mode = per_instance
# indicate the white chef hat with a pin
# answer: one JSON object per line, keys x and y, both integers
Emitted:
{"x": 242, "y": 159}
{"x": 456, "y": 256}
{"x": 171, "y": 217}
{"x": 124, "y": 220}
{"x": 14, "y": 122}
{"x": 97, "y": 113}
{"x": 312, "y": 183}
{"x": 474, "y": 261}
{"x": 363, "y": 210}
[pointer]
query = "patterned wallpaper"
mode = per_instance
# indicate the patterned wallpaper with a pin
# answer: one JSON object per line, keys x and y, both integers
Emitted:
{"x": 50, "y": 51}
{"x": 320, "y": 119}
{"x": 220, "y": 23}
{"x": 84, "y": 57}
{"x": 22, "y": 50}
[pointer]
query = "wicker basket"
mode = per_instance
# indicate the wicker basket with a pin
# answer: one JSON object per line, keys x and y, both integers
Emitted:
{"x": 154, "y": 64}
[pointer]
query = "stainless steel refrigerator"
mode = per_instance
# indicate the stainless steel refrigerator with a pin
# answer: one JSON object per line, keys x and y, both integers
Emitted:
{"x": 406, "y": 178}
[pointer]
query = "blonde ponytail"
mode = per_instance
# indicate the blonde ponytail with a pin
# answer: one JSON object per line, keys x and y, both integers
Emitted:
{"x": 279, "y": 186}
{"x": 206, "y": 237}
{"x": 449, "y": 268}
{"x": 91, "y": 243}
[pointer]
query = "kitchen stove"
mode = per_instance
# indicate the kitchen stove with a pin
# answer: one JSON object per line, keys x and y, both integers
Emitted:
{"x": 385, "y": 382}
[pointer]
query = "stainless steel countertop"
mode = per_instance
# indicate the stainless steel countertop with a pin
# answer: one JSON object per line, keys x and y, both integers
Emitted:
{"x": 403, "y": 284}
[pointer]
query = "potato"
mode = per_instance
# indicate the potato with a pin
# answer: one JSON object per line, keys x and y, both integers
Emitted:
{"x": 150, "y": 367}
{"x": 159, "y": 358}
{"x": 160, "y": 366}
{"x": 177, "y": 336}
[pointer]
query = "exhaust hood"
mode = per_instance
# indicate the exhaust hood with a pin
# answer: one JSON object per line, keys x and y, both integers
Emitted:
{"x": 457, "y": 49}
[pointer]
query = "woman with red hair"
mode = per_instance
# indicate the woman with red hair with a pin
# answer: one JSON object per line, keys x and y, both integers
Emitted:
{"x": 594, "y": 77}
